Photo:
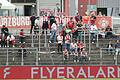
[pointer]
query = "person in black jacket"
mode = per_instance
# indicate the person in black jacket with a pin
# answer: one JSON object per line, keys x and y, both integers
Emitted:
{"x": 5, "y": 30}
{"x": 110, "y": 48}
{"x": 45, "y": 24}
{"x": 32, "y": 19}
{"x": 108, "y": 32}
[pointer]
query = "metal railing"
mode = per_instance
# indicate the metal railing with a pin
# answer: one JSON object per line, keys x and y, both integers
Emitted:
{"x": 19, "y": 56}
{"x": 108, "y": 54}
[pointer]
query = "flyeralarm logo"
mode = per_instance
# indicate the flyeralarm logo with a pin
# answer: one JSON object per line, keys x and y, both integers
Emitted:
{"x": 59, "y": 72}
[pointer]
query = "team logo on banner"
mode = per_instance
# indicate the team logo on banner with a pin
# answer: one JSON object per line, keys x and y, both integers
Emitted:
{"x": 103, "y": 22}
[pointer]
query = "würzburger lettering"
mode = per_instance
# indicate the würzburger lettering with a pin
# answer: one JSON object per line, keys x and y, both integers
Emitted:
{"x": 15, "y": 21}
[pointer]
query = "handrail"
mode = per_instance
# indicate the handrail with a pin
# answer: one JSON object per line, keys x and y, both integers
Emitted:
{"x": 101, "y": 55}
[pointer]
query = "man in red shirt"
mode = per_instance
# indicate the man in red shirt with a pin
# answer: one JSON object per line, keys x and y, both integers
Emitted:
{"x": 22, "y": 36}
{"x": 70, "y": 24}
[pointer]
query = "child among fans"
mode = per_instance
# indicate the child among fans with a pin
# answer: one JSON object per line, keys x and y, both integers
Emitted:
{"x": 21, "y": 36}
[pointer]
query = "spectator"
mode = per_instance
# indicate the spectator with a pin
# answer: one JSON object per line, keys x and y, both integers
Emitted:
{"x": 37, "y": 25}
{"x": 32, "y": 19}
{"x": 22, "y": 36}
{"x": 65, "y": 53}
{"x": 79, "y": 30}
{"x": 60, "y": 42}
{"x": 76, "y": 55}
{"x": 45, "y": 25}
{"x": 80, "y": 46}
{"x": 93, "y": 31}
{"x": 108, "y": 32}
{"x": 64, "y": 21}
{"x": 93, "y": 27}
{"x": 3, "y": 40}
{"x": 101, "y": 33}
{"x": 73, "y": 47}
{"x": 71, "y": 24}
{"x": 78, "y": 17}
{"x": 110, "y": 47}
{"x": 51, "y": 19}
{"x": 92, "y": 18}
{"x": 53, "y": 32}
{"x": 5, "y": 30}
{"x": 67, "y": 42}
{"x": 22, "y": 49}
{"x": 83, "y": 55}
{"x": 100, "y": 14}
{"x": 10, "y": 40}
{"x": 79, "y": 24}
{"x": 117, "y": 47}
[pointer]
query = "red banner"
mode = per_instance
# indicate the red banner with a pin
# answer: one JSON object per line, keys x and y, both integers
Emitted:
{"x": 24, "y": 22}
{"x": 103, "y": 22}
{"x": 15, "y": 22}
{"x": 59, "y": 72}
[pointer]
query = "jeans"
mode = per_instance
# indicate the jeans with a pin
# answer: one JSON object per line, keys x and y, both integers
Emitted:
{"x": 53, "y": 36}
{"x": 93, "y": 37}
{"x": 67, "y": 46}
{"x": 117, "y": 51}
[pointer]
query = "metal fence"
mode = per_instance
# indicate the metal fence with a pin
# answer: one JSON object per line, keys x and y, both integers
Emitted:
{"x": 18, "y": 56}
{"x": 109, "y": 56}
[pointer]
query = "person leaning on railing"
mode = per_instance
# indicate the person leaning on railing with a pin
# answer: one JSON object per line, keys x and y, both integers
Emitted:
{"x": 108, "y": 32}
{"x": 110, "y": 48}
{"x": 83, "y": 55}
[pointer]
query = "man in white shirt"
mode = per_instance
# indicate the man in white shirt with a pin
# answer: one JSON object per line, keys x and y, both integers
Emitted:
{"x": 53, "y": 32}
{"x": 10, "y": 40}
{"x": 93, "y": 31}
{"x": 37, "y": 25}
